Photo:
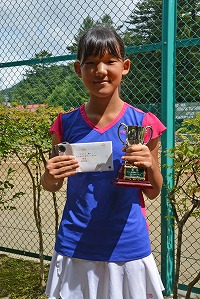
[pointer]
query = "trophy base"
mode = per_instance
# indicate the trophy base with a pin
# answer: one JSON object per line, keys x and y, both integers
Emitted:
{"x": 131, "y": 176}
{"x": 133, "y": 183}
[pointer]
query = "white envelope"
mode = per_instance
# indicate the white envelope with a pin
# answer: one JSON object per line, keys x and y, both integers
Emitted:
{"x": 91, "y": 156}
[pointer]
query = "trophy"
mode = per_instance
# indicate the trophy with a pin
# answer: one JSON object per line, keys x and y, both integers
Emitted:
{"x": 130, "y": 175}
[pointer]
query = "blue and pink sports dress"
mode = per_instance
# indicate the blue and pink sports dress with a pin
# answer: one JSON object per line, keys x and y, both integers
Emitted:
{"x": 102, "y": 222}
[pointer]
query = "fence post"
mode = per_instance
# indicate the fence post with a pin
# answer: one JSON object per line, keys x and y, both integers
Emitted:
{"x": 168, "y": 140}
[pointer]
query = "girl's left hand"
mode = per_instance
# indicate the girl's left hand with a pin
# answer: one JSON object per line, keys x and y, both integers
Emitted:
{"x": 138, "y": 155}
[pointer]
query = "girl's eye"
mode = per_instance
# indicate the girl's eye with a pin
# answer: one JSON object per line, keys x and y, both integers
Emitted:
{"x": 111, "y": 61}
{"x": 89, "y": 62}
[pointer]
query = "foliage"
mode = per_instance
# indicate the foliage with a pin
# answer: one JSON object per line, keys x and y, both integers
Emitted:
{"x": 88, "y": 23}
{"x": 188, "y": 58}
{"x": 186, "y": 168}
{"x": 56, "y": 85}
{"x": 24, "y": 134}
{"x": 145, "y": 23}
{"x": 49, "y": 83}
{"x": 19, "y": 278}
{"x": 6, "y": 185}
{"x": 184, "y": 195}
{"x": 143, "y": 83}
{"x": 39, "y": 82}
{"x": 188, "y": 19}
{"x": 1, "y": 98}
{"x": 71, "y": 93}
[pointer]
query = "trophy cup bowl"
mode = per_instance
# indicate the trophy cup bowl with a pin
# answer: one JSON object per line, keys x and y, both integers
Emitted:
{"x": 130, "y": 175}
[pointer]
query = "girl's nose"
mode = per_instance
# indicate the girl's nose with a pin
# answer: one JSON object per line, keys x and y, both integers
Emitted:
{"x": 101, "y": 69}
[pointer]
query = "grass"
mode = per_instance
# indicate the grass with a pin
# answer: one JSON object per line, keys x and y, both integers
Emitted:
{"x": 19, "y": 279}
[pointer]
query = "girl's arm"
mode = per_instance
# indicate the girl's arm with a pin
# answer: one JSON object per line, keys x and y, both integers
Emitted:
{"x": 154, "y": 173}
{"x": 57, "y": 169}
{"x": 147, "y": 157}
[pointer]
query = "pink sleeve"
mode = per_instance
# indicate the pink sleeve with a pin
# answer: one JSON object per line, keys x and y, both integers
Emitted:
{"x": 57, "y": 126}
{"x": 151, "y": 120}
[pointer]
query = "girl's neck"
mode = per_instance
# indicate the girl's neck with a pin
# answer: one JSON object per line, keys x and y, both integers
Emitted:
{"x": 103, "y": 112}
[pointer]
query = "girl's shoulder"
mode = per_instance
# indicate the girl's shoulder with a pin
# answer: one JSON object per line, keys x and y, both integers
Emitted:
{"x": 70, "y": 112}
{"x": 147, "y": 119}
{"x": 152, "y": 120}
{"x": 62, "y": 119}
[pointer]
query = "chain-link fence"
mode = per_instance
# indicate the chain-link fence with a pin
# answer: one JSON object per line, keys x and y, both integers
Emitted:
{"x": 38, "y": 47}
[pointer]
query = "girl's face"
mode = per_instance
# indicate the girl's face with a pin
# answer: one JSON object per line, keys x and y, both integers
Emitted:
{"x": 102, "y": 75}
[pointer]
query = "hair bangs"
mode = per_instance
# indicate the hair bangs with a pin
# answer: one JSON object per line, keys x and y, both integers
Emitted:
{"x": 100, "y": 47}
{"x": 97, "y": 42}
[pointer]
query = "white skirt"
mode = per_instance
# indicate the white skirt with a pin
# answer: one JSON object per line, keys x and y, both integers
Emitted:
{"x": 72, "y": 278}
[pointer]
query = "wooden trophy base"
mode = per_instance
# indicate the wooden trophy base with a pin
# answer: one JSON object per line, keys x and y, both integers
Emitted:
{"x": 131, "y": 176}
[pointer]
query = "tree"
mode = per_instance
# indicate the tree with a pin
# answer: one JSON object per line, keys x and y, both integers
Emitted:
{"x": 142, "y": 86}
{"x": 54, "y": 84}
{"x": 1, "y": 97}
{"x": 88, "y": 23}
{"x": 39, "y": 82}
{"x": 107, "y": 21}
{"x": 25, "y": 135}
{"x": 145, "y": 23}
{"x": 188, "y": 19}
{"x": 188, "y": 66}
{"x": 6, "y": 185}
{"x": 184, "y": 196}
{"x": 143, "y": 83}
{"x": 70, "y": 94}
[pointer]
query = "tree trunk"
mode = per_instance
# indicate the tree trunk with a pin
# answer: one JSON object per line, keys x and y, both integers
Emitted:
{"x": 191, "y": 284}
{"x": 55, "y": 212}
{"x": 178, "y": 260}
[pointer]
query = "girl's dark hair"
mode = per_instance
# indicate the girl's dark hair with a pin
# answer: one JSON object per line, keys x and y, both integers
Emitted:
{"x": 96, "y": 41}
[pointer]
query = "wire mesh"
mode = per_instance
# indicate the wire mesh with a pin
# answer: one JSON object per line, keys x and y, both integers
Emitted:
{"x": 38, "y": 47}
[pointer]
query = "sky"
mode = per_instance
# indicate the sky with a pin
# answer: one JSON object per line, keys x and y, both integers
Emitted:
{"x": 29, "y": 26}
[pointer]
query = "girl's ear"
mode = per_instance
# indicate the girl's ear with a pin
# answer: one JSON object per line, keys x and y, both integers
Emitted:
{"x": 127, "y": 65}
{"x": 77, "y": 68}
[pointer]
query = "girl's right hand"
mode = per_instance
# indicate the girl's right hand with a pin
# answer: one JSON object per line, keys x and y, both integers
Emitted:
{"x": 60, "y": 167}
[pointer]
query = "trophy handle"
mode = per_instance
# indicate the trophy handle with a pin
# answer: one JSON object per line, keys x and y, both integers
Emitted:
{"x": 151, "y": 133}
{"x": 118, "y": 133}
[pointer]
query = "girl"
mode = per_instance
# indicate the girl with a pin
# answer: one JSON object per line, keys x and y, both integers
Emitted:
{"x": 102, "y": 249}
